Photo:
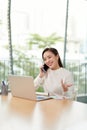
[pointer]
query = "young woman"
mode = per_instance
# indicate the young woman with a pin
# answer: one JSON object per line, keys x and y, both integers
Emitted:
{"x": 56, "y": 80}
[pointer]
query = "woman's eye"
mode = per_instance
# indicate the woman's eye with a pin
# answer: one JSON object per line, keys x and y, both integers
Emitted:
{"x": 49, "y": 57}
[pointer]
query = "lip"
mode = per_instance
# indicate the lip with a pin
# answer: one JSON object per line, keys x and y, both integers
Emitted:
{"x": 50, "y": 65}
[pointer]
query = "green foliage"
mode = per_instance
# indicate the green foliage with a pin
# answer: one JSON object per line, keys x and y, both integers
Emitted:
{"x": 40, "y": 89}
{"x": 43, "y": 41}
{"x": 4, "y": 70}
{"x": 24, "y": 65}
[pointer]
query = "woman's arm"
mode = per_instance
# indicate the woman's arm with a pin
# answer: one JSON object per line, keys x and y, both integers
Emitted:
{"x": 39, "y": 79}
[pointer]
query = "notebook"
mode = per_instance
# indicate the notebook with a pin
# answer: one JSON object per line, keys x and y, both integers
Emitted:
{"x": 23, "y": 87}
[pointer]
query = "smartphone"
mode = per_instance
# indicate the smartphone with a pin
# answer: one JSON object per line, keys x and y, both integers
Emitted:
{"x": 45, "y": 68}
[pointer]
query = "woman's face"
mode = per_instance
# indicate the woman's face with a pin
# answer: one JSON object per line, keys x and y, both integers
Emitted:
{"x": 51, "y": 60}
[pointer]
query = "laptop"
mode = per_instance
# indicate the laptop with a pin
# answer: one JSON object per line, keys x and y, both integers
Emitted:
{"x": 23, "y": 87}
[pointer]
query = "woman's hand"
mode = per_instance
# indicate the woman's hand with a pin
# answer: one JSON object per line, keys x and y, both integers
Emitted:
{"x": 41, "y": 74}
{"x": 65, "y": 86}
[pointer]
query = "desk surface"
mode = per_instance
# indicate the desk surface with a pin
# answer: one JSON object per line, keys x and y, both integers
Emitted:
{"x": 21, "y": 114}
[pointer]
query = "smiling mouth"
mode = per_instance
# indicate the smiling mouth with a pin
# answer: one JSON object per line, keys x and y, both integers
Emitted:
{"x": 50, "y": 65}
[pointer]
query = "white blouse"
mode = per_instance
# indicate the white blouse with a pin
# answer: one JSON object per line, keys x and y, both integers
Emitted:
{"x": 51, "y": 82}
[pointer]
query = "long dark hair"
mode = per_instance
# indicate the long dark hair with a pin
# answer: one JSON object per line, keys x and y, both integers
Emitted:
{"x": 55, "y": 52}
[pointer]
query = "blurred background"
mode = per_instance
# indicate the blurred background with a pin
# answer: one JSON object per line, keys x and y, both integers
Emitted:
{"x": 28, "y": 26}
